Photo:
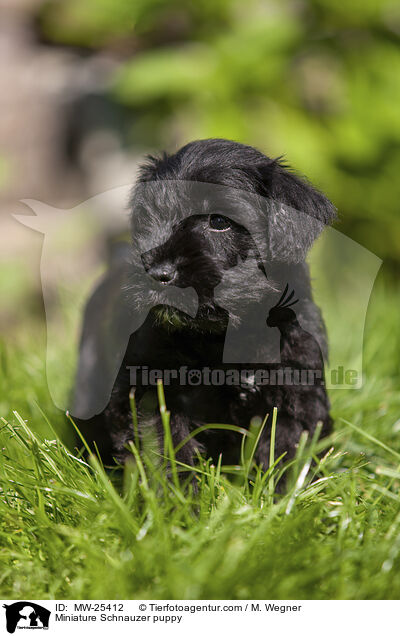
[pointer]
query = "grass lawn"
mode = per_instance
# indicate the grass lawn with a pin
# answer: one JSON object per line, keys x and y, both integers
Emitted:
{"x": 69, "y": 529}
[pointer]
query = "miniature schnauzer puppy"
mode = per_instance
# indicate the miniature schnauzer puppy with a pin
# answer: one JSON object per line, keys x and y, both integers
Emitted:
{"x": 213, "y": 297}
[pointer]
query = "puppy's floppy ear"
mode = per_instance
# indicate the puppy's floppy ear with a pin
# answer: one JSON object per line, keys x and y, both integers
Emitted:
{"x": 297, "y": 215}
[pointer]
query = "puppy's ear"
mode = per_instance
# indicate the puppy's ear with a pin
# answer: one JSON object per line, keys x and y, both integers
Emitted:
{"x": 298, "y": 212}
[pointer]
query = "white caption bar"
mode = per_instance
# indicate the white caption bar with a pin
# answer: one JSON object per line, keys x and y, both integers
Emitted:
{"x": 174, "y": 617}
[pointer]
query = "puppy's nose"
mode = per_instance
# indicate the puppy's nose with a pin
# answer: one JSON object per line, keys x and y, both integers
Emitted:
{"x": 164, "y": 273}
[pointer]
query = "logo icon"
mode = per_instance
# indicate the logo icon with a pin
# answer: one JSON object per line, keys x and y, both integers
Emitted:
{"x": 26, "y": 615}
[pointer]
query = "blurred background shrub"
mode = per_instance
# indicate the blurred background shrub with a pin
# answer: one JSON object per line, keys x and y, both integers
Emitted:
{"x": 317, "y": 81}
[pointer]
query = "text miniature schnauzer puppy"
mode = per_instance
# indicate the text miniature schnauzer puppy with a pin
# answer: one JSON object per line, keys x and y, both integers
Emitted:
{"x": 216, "y": 273}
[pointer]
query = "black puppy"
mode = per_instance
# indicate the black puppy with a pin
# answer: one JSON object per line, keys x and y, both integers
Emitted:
{"x": 216, "y": 266}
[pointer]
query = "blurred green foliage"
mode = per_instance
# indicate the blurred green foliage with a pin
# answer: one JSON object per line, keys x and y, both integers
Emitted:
{"x": 317, "y": 81}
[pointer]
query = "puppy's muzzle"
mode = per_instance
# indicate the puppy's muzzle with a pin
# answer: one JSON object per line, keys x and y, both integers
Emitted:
{"x": 163, "y": 272}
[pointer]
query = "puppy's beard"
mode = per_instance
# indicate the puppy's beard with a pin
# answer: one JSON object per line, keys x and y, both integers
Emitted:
{"x": 170, "y": 318}
{"x": 142, "y": 293}
{"x": 208, "y": 319}
{"x": 242, "y": 287}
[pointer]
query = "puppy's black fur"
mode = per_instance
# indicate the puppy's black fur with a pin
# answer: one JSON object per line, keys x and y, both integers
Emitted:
{"x": 201, "y": 251}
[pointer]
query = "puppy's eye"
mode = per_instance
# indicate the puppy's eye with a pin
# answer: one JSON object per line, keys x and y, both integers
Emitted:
{"x": 219, "y": 223}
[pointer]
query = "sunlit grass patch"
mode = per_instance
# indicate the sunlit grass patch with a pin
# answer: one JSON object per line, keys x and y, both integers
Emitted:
{"x": 70, "y": 528}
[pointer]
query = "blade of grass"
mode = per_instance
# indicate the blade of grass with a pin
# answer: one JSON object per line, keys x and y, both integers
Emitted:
{"x": 132, "y": 401}
{"x": 169, "y": 451}
{"x": 271, "y": 484}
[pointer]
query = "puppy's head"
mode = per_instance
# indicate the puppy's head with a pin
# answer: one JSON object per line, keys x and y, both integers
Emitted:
{"x": 221, "y": 212}
{"x": 199, "y": 251}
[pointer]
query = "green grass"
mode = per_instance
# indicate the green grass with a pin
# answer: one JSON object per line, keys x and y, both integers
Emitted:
{"x": 68, "y": 529}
